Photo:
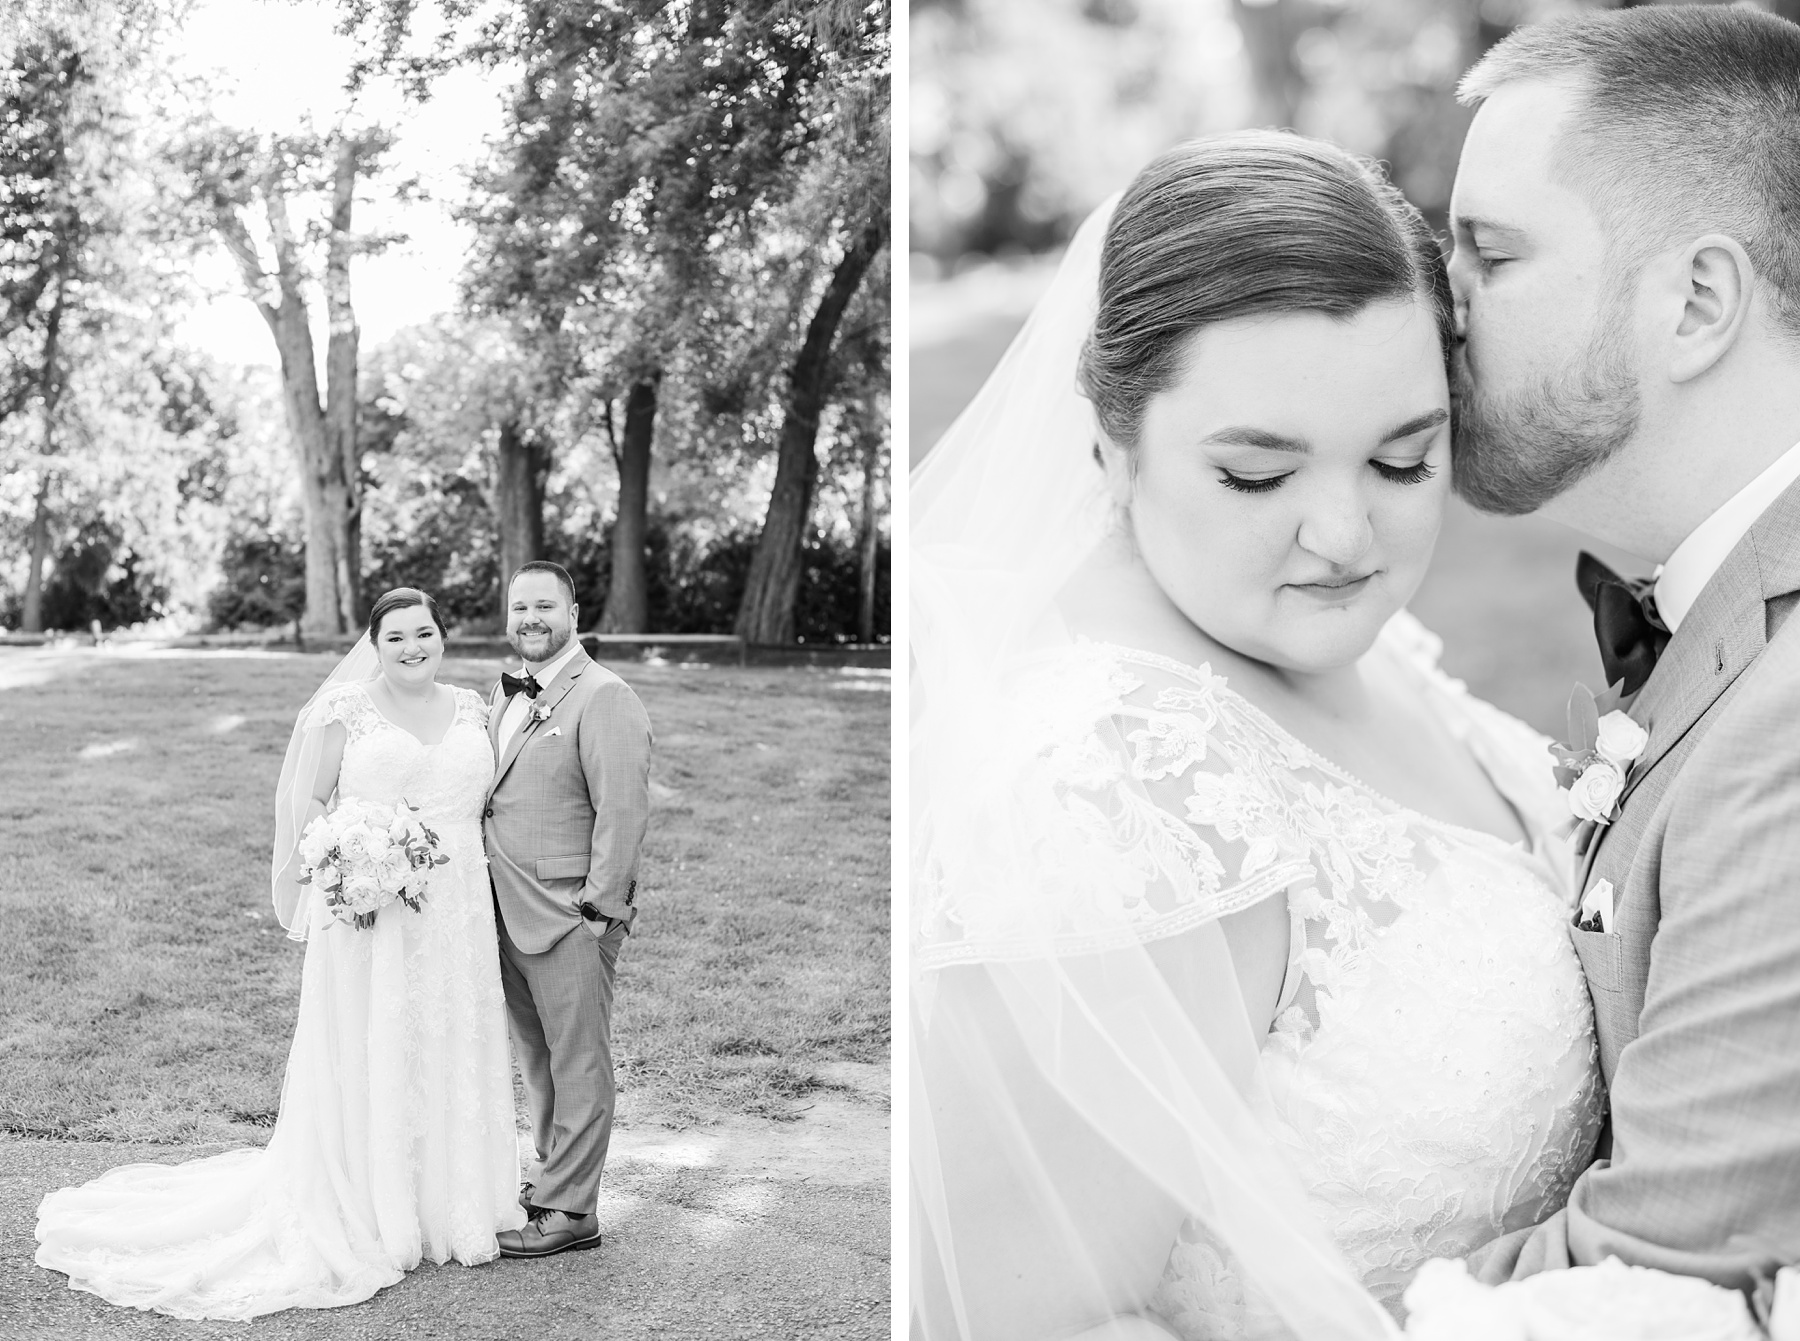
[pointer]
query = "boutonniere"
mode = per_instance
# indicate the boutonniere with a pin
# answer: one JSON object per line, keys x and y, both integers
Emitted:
{"x": 539, "y": 713}
{"x": 1595, "y": 763}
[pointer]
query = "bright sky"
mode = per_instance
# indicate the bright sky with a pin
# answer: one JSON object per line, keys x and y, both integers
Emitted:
{"x": 280, "y": 62}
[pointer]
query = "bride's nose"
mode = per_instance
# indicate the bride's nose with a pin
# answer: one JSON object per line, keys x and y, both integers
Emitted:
{"x": 1337, "y": 529}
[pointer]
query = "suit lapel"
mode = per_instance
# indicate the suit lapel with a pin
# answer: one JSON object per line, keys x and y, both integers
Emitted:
{"x": 1724, "y": 632}
{"x": 565, "y": 681}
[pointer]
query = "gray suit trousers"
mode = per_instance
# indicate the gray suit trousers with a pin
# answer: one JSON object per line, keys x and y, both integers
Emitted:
{"x": 560, "y": 1005}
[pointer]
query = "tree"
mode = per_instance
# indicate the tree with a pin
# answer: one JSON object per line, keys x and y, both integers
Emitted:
{"x": 649, "y": 141}
{"x": 477, "y": 400}
{"x": 847, "y": 192}
{"x": 234, "y": 174}
{"x": 767, "y": 614}
{"x": 71, "y": 235}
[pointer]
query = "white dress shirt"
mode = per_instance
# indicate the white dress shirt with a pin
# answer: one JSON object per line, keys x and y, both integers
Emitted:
{"x": 1680, "y": 581}
{"x": 518, "y": 705}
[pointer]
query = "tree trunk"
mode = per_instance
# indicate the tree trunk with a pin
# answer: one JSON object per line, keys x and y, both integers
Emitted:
{"x": 31, "y": 618}
{"x": 342, "y": 461}
{"x": 50, "y": 385}
{"x": 773, "y": 585}
{"x": 628, "y": 598}
{"x": 523, "y": 462}
{"x": 868, "y": 543}
{"x": 323, "y": 435}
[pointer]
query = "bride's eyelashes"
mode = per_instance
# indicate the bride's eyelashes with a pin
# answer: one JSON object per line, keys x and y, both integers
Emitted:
{"x": 1417, "y": 473}
{"x": 1245, "y": 484}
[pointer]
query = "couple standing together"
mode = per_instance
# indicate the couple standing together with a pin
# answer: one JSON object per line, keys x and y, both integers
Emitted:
{"x": 396, "y": 1138}
{"x": 1255, "y": 962}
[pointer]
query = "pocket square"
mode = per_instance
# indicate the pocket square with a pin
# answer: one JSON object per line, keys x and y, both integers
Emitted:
{"x": 1596, "y": 908}
{"x": 553, "y": 731}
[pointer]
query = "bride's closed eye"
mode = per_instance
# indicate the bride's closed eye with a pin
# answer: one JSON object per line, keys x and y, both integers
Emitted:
{"x": 1417, "y": 473}
{"x": 1250, "y": 484}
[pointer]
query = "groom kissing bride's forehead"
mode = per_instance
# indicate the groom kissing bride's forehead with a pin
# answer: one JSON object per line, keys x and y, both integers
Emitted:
{"x": 1627, "y": 281}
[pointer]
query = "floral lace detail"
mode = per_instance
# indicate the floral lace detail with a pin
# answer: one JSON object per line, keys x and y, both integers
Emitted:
{"x": 1431, "y": 1073}
{"x": 398, "y": 1091}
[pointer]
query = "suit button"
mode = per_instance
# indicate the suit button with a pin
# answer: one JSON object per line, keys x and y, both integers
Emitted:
{"x": 488, "y": 813}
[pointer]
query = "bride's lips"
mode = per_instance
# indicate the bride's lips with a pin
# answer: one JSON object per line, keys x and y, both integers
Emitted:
{"x": 1336, "y": 588}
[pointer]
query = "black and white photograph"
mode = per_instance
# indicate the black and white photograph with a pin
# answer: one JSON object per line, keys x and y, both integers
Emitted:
{"x": 447, "y": 524}
{"x": 1353, "y": 777}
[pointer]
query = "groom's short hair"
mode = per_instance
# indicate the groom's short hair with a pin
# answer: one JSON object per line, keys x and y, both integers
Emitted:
{"x": 556, "y": 570}
{"x": 1689, "y": 122}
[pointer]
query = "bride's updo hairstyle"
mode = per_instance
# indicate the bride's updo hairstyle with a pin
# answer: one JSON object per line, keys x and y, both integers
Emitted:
{"x": 1238, "y": 226}
{"x": 403, "y": 598}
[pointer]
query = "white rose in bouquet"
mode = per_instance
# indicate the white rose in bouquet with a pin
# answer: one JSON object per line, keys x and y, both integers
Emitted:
{"x": 1609, "y": 1302}
{"x": 1784, "y": 1311}
{"x": 1445, "y": 1303}
{"x": 315, "y": 842}
{"x": 1632, "y": 1304}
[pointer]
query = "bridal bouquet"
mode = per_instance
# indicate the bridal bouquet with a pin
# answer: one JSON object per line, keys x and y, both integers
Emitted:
{"x": 364, "y": 856}
{"x": 1608, "y": 1302}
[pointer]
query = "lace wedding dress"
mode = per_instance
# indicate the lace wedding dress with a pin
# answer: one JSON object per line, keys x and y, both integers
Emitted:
{"x": 1431, "y": 1076}
{"x": 396, "y": 1139}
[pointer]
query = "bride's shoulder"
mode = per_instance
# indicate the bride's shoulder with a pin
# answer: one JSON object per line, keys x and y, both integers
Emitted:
{"x": 348, "y": 704}
{"x": 470, "y": 705}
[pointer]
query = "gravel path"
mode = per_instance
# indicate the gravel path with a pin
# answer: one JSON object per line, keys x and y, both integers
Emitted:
{"x": 746, "y": 1228}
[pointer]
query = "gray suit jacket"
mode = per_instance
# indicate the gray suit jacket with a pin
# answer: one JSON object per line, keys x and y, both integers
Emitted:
{"x": 566, "y": 813}
{"x": 1697, "y": 989}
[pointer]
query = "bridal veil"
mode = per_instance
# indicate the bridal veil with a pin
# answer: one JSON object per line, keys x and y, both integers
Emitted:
{"x": 1084, "y": 1077}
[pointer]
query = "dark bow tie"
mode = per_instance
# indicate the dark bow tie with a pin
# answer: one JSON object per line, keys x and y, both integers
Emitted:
{"x": 525, "y": 684}
{"x": 1630, "y": 632}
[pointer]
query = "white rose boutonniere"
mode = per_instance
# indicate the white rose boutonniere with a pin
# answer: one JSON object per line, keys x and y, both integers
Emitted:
{"x": 1594, "y": 766}
{"x": 1593, "y": 795}
{"x": 539, "y": 713}
{"x": 1620, "y": 740}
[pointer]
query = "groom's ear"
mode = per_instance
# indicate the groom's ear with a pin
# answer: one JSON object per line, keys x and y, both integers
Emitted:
{"x": 1713, "y": 280}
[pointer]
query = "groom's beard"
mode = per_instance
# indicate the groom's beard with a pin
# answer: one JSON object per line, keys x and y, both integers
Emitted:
{"x": 1513, "y": 454}
{"x": 557, "y": 641}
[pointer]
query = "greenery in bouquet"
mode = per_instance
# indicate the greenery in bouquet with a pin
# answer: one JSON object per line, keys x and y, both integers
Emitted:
{"x": 363, "y": 856}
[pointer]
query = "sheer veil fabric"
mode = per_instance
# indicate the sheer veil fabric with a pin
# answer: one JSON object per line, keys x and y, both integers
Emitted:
{"x": 1084, "y": 1077}
{"x": 294, "y": 790}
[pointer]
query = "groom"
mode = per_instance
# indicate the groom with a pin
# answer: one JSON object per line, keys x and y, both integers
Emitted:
{"x": 564, "y": 819}
{"x": 1627, "y": 275}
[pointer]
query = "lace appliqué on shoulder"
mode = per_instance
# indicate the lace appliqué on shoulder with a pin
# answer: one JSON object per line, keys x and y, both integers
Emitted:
{"x": 349, "y": 704}
{"x": 1105, "y": 811}
{"x": 471, "y": 707}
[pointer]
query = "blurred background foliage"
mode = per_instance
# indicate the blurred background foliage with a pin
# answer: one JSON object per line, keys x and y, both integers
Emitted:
{"x": 1026, "y": 114}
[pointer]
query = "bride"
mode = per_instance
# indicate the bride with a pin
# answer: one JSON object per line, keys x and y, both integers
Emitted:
{"x": 395, "y": 1141}
{"x": 1241, "y": 974}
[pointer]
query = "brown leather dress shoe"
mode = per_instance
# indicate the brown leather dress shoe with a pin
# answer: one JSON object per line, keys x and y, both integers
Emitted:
{"x": 551, "y": 1232}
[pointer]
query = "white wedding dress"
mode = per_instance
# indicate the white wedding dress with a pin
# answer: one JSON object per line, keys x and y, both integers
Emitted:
{"x": 1431, "y": 1077}
{"x": 396, "y": 1138}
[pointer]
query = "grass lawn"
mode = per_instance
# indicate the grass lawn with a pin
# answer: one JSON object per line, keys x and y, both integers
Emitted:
{"x": 146, "y": 993}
